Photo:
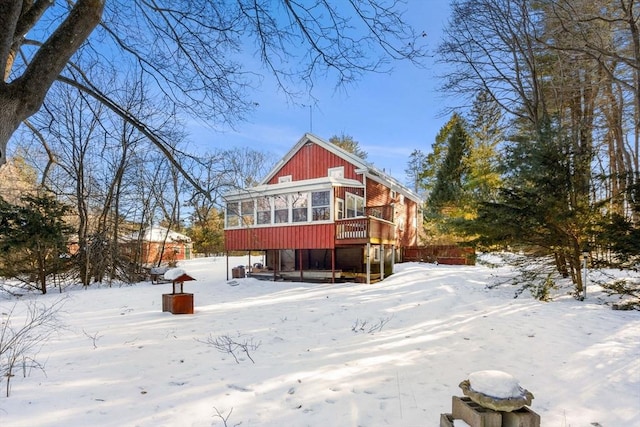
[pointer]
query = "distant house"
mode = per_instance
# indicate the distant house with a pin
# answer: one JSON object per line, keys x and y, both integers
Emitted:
{"x": 323, "y": 213}
{"x": 159, "y": 245}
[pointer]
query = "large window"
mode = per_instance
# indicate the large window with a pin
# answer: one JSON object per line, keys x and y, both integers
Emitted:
{"x": 280, "y": 209}
{"x": 298, "y": 207}
{"x": 247, "y": 207}
{"x": 233, "y": 214}
{"x": 355, "y": 206}
{"x": 300, "y": 202}
{"x": 321, "y": 205}
{"x": 263, "y": 210}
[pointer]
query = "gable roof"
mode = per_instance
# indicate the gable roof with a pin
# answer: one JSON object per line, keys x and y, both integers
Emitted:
{"x": 362, "y": 166}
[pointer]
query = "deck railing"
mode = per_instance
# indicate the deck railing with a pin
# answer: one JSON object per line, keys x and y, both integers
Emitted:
{"x": 368, "y": 228}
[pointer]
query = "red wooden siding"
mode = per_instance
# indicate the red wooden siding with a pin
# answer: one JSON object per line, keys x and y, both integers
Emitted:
{"x": 313, "y": 161}
{"x": 316, "y": 236}
{"x": 378, "y": 194}
{"x": 409, "y": 236}
{"x": 443, "y": 254}
{"x": 341, "y": 192}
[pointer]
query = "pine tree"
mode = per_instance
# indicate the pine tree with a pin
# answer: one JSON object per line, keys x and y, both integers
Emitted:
{"x": 207, "y": 233}
{"x": 539, "y": 207}
{"x": 483, "y": 161}
{"x": 33, "y": 239}
{"x": 346, "y": 142}
{"x": 435, "y": 158}
{"x": 448, "y": 189}
{"x": 415, "y": 168}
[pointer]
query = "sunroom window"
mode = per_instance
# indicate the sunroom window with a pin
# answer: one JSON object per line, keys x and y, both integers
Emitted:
{"x": 320, "y": 206}
{"x": 248, "y": 211}
{"x": 281, "y": 209}
{"x": 263, "y": 210}
{"x": 233, "y": 214}
{"x": 299, "y": 207}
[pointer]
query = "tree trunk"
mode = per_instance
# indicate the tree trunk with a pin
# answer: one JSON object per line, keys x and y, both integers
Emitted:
{"x": 24, "y": 95}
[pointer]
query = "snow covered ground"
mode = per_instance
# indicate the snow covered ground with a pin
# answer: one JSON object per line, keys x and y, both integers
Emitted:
{"x": 388, "y": 354}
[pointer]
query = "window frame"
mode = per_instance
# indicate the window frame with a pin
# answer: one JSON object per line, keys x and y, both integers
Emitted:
{"x": 231, "y": 214}
{"x": 277, "y": 210}
{"x": 354, "y": 198}
{"x": 260, "y": 210}
{"x": 324, "y": 207}
{"x": 299, "y": 207}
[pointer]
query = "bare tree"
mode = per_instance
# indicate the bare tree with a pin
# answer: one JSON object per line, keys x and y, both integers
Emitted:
{"x": 93, "y": 162}
{"x": 577, "y": 60}
{"x": 192, "y": 49}
{"x": 20, "y": 342}
{"x": 607, "y": 36}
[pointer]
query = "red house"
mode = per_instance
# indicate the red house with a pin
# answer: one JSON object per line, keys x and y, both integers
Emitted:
{"x": 157, "y": 245}
{"x": 323, "y": 213}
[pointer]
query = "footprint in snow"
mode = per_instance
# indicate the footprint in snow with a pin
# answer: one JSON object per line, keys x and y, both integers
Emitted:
{"x": 239, "y": 388}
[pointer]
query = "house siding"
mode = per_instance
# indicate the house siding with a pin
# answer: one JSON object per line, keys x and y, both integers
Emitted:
{"x": 313, "y": 161}
{"x": 404, "y": 211}
{"x": 316, "y": 236}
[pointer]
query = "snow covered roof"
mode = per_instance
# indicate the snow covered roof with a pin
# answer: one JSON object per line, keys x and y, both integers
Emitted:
{"x": 155, "y": 233}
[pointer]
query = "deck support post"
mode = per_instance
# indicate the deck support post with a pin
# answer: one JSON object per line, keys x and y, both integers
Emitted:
{"x": 333, "y": 265}
{"x": 368, "y": 260}
{"x": 276, "y": 263}
{"x": 393, "y": 258}
{"x": 382, "y": 256}
{"x": 300, "y": 265}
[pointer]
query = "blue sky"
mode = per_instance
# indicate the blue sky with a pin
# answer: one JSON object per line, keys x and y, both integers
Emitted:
{"x": 390, "y": 115}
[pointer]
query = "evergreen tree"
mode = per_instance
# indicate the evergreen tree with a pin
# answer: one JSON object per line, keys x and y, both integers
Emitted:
{"x": 207, "y": 233}
{"x": 435, "y": 158}
{"x": 415, "y": 168}
{"x": 444, "y": 176}
{"x": 347, "y": 143}
{"x": 448, "y": 189}
{"x": 33, "y": 239}
{"x": 485, "y": 131}
{"x": 539, "y": 205}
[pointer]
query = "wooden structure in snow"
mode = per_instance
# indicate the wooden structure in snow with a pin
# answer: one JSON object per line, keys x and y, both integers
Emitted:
{"x": 177, "y": 302}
